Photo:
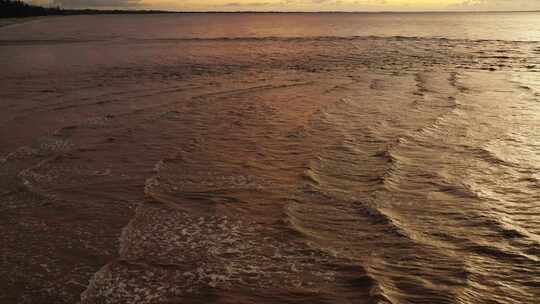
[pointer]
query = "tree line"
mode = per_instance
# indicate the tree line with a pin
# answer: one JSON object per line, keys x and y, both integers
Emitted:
{"x": 17, "y": 8}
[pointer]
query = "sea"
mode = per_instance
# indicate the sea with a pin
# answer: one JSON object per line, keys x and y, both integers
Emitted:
{"x": 271, "y": 158}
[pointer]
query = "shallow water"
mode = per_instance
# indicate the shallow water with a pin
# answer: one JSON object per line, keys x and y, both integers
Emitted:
{"x": 271, "y": 161}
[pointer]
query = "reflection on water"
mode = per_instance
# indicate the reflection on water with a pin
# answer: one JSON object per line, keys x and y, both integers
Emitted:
{"x": 497, "y": 26}
{"x": 314, "y": 168}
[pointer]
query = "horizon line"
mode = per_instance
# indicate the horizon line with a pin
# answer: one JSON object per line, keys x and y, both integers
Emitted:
{"x": 292, "y": 12}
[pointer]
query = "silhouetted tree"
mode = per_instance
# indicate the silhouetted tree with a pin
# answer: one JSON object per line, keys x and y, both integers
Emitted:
{"x": 16, "y": 8}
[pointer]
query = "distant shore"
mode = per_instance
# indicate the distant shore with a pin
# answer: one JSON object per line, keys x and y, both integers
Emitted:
{"x": 18, "y": 9}
{"x": 75, "y": 12}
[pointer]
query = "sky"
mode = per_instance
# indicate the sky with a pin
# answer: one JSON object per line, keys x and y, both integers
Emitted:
{"x": 299, "y": 5}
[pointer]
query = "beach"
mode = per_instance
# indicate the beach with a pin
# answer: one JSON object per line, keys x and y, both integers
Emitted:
{"x": 169, "y": 159}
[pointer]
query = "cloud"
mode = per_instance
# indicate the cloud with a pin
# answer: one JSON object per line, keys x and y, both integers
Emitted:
{"x": 90, "y": 3}
{"x": 497, "y": 5}
{"x": 305, "y": 5}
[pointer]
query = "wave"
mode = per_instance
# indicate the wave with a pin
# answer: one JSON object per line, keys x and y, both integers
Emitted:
{"x": 7, "y": 42}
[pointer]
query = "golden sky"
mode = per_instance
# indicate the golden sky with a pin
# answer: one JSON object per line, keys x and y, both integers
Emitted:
{"x": 302, "y": 5}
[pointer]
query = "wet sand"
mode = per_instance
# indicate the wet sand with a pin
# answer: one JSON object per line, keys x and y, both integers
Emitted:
{"x": 268, "y": 170}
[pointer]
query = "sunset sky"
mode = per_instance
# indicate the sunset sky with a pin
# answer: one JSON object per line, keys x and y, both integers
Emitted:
{"x": 300, "y": 5}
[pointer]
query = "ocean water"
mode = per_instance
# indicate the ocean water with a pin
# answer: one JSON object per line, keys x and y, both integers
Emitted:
{"x": 470, "y": 26}
{"x": 271, "y": 158}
